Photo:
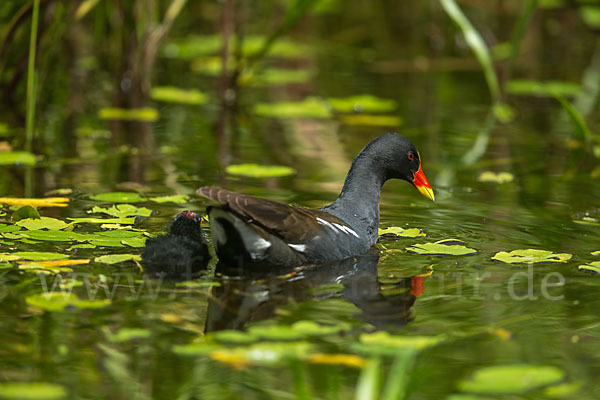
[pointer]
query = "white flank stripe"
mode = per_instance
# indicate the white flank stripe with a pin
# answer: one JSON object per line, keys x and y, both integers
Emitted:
{"x": 298, "y": 247}
{"x": 346, "y": 229}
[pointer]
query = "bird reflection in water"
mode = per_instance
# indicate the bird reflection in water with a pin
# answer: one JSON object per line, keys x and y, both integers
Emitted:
{"x": 244, "y": 297}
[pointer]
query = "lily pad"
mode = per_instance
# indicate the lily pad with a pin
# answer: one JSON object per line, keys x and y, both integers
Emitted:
{"x": 496, "y": 177}
{"x": 260, "y": 171}
{"x": 37, "y": 268}
{"x": 173, "y": 94}
{"x": 235, "y": 337}
{"x": 118, "y": 197}
{"x": 39, "y": 255}
{"x": 56, "y": 236}
{"x": 42, "y": 223}
{"x": 277, "y": 76}
{"x": 275, "y": 332}
{"x": 595, "y": 253}
{"x": 311, "y": 107}
{"x": 264, "y": 353}
{"x": 562, "y": 390}
{"x": 364, "y": 103}
{"x": 446, "y": 247}
{"x": 61, "y": 302}
{"x": 122, "y": 210}
{"x": 122, "y": 220}
{"x": 4, "y": 228}
{"x": 593, "y": 267}
{"x": 371, "y": 120}
{"x": 17, "y": 158}
{"x": 25, "y": 212}
{"x": 5, "y": 257}
{"x": 176, "y": 198}
{"x": 531, "y": 256}
{"x": 117, "y": 258}
{"x": 402, "y": 232}
{"x": 31, "y": 391}
{"x": 385, "y": 343}
{"x": 511, "y": 379}
{"x": 146, "y": 114}
{"x": 127, "y": 334}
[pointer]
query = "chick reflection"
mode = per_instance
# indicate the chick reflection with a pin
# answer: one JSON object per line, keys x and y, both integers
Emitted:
{"x": 244, "y": 297}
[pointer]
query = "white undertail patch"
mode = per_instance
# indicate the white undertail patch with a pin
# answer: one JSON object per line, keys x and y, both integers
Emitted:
{"x": 254, "y": 244}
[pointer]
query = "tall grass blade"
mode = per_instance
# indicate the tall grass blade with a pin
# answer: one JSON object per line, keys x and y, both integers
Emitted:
{"x": 477, "y": 45}
{"x": 395, "y": 388}
{"x": 31, "y": 76}
{"x": 368, "y": 382}
{"x": 300, "y": 381}
{"x": 576, "y": 119}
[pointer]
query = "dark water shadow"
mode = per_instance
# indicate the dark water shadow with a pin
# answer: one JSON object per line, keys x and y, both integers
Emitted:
{"x": 244, "y": 297}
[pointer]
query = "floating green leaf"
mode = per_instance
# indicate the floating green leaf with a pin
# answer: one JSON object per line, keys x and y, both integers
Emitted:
{"x": 567, "y": 389}
{"x": 4, "y": 228}
{"x": 42, "y": 223}
{"x": 133, "y": 114}
{"x": 31, "y": 391}
{"x": 522, "y": 87}
{"x": 371, "y": 120}
{"x": 62, "y": 301}
{"x": 402, "y": 232}
{"x": 593, "y": 267}
{"x": 57, "y": 236}
{"x": 385, "y": 343}
{"x": 496, "y": 177}
{"x": 123, "y": 220}
{"x": 311, "y": 107}
{"x": 511, "y": 379}
{"x": 122, "y": 210}
{"x": 4, "y": 257}
{"x": 117, "y": 258}
{"x": 39, "y": 255}
{"x": 235, "y": 337}
{"x": 311, "y": 328}
{"x": 260, "y": 171}
{"x": 530, "y": 256}
{"x": 176, "y": 198}
{"x": 446, "y": 247}
{"x": 177, "y": 95}
{"x": 264, "y": 353}
{"x": 595, "y": 253}
{"x": 127, "y": 334}
{"x": 275, "y": 332}
{"x": 81, "y": 246}
{"x": 17, "y": 158}
{"x": 135, "y": 242}
{"x": 118, "y": 197}
{"x": 364, "y": 103}
{"x": 43, "y": 269}
{"x": 276, "y": 76}
{"x": 25, "y": 212}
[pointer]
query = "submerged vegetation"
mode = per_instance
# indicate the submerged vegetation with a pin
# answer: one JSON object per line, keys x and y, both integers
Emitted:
{"x": 115, "y": 112}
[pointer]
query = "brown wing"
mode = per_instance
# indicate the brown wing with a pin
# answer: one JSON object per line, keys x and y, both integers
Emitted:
{"x": 292, "y": 224}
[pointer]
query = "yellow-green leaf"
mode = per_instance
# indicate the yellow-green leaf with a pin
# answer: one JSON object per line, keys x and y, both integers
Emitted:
{"x": 446, "y": 247}
{"x": 17, "y": 158}
{"x": 260, "y": 171}
{"x": 496, "y": 177}
{"x": 59, "y": 302}
{"x": 593, "y": 267}
{"x": 177, "y": 95}
{"x": 530, "y": 256}
{"x": 134, "y": 114}
{"x": 402, "y": 232}
{"x": 118, "y": 197}
{"x": 362, "y": 103}
{"x": 31, "y": 391}
{"x": 511, "y": 379}
{"x": 52, "y": 224}
{"x": 117, "y": 258}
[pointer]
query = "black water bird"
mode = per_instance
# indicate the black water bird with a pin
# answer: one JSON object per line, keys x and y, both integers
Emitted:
{"x": 181, "y": 253}
{"x": 249, "y": 231}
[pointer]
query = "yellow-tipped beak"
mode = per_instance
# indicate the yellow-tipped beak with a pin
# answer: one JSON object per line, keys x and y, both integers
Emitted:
{"x": 422, "y": 184}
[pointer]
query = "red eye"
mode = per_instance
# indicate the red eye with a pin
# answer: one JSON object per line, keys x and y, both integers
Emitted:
{"x": 411, "y": 156}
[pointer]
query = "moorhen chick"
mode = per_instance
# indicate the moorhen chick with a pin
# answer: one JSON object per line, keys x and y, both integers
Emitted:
{"x": 179, "y": 254}
{"x": 250, "y": 231}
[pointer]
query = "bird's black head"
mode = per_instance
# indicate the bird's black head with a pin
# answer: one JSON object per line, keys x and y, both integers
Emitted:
{"x": 187, "y": 223}
{"x": 398, "y": 158}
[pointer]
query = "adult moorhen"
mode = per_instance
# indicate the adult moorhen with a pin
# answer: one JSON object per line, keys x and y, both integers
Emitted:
{"x": 250, "y": 231}
{"x": 181, "y": 253}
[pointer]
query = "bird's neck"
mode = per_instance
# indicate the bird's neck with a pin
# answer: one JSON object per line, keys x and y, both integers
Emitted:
{"x": 358, "y": 202}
